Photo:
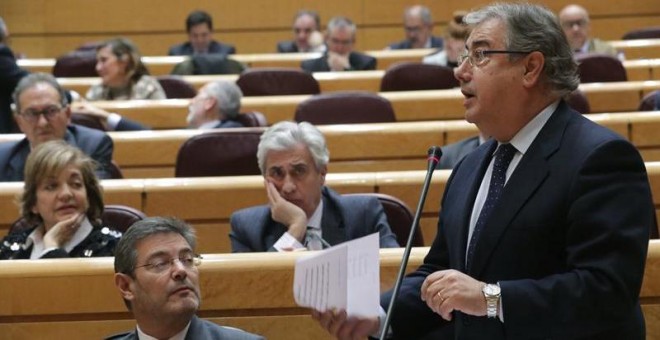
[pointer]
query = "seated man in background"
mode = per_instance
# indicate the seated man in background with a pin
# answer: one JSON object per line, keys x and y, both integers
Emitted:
{"x": 302, "y": 211}
{"x": 574, "y": 20}
{"x": 306, "y": 32}
{"x": 340, "y": 38}
{"x": 43, "y": 114}
{"x": 156, "y": 274}
{"x": 418, "y": 25}
{"x": 216, "y": 105}
{"x": 199, "y": 26}
{"x": 10, "y": 74}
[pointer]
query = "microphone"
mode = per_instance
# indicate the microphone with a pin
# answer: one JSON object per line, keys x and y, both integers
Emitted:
{"x": 434, "y": 154}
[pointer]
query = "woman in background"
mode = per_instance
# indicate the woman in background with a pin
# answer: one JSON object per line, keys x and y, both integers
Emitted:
{"x": 61, "y": 206}
{"x": 455, "y": 36}
{"x": 123, "y": 75}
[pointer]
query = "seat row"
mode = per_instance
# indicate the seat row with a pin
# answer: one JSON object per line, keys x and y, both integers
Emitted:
{"x": 408, "y": 105}
{"x": 401, "y": 77}
{"x": 208, "y": 202}
{"x": 162, "y": 65}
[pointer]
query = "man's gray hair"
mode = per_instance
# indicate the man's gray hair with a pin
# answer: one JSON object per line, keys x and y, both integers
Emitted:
{"x": 286, "y": 135}
{"x": 535, "y": 28}
{"x": 341, "y": 22}
{"x": 32, "y": 80}
{"x": 423, "y": 12}
{"x": 3, "y": 31}
{"x": 228, "y": 97}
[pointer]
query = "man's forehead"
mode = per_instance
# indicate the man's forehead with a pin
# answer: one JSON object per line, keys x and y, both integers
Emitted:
{"x": 162, "y": 243}
{"x": 44, "y": 93}
{"x": 486, "y": 34}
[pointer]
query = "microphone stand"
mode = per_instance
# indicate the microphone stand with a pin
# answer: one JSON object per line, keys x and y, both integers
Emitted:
{"x": 434, "y": 154}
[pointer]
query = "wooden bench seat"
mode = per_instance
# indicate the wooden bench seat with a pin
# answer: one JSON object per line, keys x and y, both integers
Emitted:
{"x": 408, "y": 105}
{"x": 77, "y": 299}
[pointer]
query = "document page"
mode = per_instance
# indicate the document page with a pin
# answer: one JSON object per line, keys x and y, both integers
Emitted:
{"x": 346, "y": 276}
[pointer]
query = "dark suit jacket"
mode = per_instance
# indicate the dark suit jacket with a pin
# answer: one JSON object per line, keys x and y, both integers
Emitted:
{"x": 94, "y": 143}
{"x": 287, "y": 47}
{"x": 201, "y": 330}
{"x": 10, "y": 74}
{"x": 344, "y": 218}
{"x": 567, "y": 241}
{"x": 358, "y": 61}
{"x": 214, "y": 48}
{"x": 436, "y": 42}
{"x": 126, "y": 124}
{"x": 454, "y": 152}
{"x": 228, "y": 123}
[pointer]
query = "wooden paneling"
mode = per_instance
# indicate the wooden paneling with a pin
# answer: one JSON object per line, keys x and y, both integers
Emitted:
{"x": 49, "y": 28}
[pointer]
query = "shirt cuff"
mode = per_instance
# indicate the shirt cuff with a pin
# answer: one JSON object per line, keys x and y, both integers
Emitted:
{"x": 287, "y": 242}
{"x": 113, "y": 121}
{"x": 382, "y": 315}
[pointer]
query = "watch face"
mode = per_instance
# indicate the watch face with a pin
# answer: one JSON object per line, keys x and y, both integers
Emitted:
{"x": 492, "y": 289}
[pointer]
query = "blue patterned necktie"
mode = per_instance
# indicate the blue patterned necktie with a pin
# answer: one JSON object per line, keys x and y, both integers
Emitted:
{"x": 503, "y": 157}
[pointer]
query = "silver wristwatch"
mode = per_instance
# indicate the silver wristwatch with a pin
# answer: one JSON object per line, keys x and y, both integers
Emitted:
{"x": 492, "y": 295}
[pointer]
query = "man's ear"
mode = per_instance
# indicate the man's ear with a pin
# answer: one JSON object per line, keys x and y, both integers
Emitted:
{"x": 534, "y": 64}
{"x": 123, "y": 283}
{"x": 67, "y": 113}
{"x": 323, "y": 171}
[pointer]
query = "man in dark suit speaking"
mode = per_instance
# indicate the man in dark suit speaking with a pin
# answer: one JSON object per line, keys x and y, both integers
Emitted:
{"x": 43, "y": 114}
{"x": 302, "y": 212}
{"x": 340, "y": 38}
{"x": 544, "y": 229}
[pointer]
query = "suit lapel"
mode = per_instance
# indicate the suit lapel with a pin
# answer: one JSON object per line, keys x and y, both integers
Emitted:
{"x": 332, "y": 226}
{"x": 530, "y": 173}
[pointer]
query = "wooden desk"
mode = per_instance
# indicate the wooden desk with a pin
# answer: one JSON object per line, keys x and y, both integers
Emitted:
{"x": 161, "y": 65}
{"x": 249, "y": 291}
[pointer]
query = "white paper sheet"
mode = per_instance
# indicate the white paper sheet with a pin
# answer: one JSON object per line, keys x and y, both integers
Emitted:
{"x": 346, "y": 276}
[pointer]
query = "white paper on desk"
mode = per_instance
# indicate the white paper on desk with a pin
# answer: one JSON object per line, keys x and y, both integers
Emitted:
{"x": 345, "y": 276}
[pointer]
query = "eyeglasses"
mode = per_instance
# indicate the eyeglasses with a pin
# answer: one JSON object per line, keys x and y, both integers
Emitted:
{"x": 479, "y": 57}
{"x": 569, "y": 24}
{"x": 49, "y": 112}
{"x": 162, "y": 265}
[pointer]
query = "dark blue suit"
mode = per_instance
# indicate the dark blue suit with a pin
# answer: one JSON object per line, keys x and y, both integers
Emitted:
{"x": 344, "y": 218}
{"x": 214, "y": 48}
{"x": 10, "y": 74}
{"x": 406, "y": 44}
{"x": 96, "y": 144}
{"x": 567, "y": 240}
{"x": 287, "y": 47}
{"x": 358, "y": 62}
{"x": 454, "y": 152}
{"x": 201, "y": 330}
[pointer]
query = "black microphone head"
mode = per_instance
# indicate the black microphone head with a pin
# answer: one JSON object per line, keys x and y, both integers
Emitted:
{"x": 434, "y": 154}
